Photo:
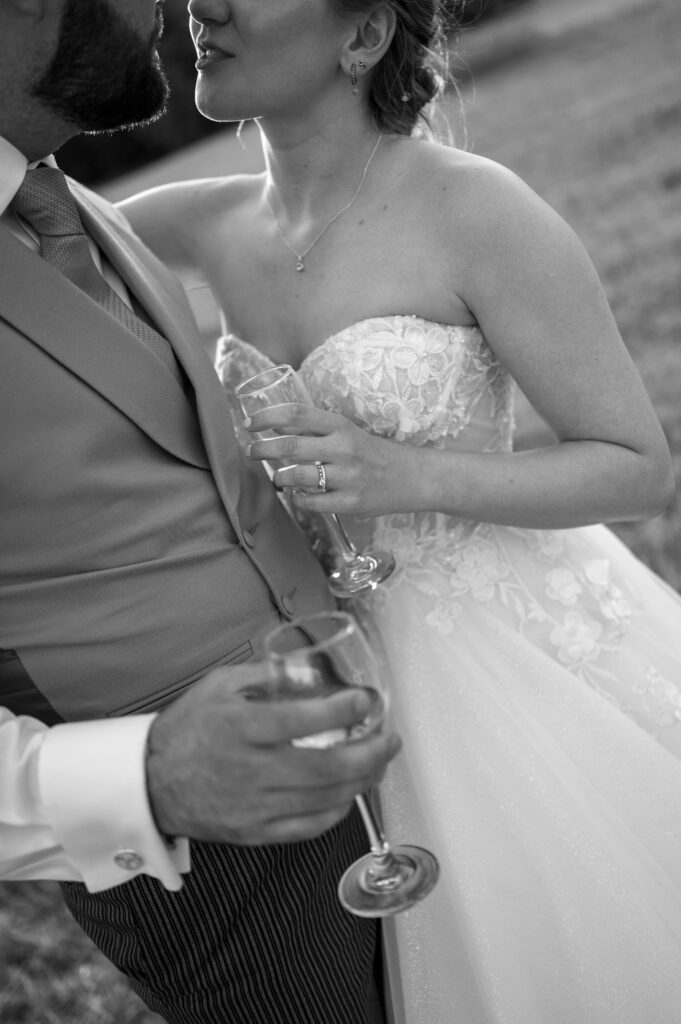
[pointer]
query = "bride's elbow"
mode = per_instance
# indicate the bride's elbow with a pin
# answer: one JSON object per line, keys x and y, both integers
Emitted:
{"x": 659, "y": 485}
{"x": 668, "y": 491}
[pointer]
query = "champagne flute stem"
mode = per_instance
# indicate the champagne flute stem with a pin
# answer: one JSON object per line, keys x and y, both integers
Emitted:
{"x": 347, "y": 548}
{"x": 379, "y": 847}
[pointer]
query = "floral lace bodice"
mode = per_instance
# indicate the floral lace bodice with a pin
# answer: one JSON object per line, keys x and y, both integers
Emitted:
{"x": 424, "y": 383}
{"x": 408, "y": 379}
{"x": 405, "y": 378}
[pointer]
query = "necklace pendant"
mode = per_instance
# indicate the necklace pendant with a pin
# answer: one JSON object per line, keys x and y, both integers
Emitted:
{"x": 300, "y": 257}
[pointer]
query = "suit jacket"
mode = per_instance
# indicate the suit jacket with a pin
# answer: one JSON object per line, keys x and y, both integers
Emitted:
{"x": 137, "y": 549}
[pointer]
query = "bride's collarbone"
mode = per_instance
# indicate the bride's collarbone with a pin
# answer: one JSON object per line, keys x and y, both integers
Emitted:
{"x": 287, "y": 319}
{"x": 288, "y": 312}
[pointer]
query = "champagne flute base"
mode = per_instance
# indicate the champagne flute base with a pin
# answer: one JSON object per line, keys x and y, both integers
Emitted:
{"x": 364, "y": 572}
{"x": 382, "y": 886}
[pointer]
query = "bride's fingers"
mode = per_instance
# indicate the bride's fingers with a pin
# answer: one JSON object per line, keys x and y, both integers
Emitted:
{"x": 313, "y": 500}
{"x": 303, "y": 447}
{"x": 291, "y": 419}
{"x": 315, "y": 478}
{"x": 289, "y": 448}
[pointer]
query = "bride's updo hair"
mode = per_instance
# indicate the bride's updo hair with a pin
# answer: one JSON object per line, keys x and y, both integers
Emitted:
{"x": 414, "y": 70}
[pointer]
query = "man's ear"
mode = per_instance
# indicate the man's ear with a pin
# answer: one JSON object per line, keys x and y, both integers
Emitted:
{"x": 373, "y": 36}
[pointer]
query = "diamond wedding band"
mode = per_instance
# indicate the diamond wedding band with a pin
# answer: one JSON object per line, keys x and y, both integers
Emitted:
{"x": 321, "y": 473}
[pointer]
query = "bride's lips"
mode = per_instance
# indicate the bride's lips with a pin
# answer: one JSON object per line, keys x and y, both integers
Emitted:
{"x": 209, "y": 56}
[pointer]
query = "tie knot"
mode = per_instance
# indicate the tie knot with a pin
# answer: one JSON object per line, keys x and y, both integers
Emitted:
{"x": 45, "y": 201}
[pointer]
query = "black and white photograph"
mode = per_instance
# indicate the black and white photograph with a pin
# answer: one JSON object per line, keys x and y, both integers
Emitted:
{"x": 340, "y": 526}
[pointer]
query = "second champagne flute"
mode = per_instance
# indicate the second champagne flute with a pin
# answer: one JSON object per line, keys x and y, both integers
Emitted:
{"x": 336, "y": 655}
{"x": 355, "y": 570}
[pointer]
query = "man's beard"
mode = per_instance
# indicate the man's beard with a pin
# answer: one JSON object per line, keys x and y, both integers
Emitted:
{"x": 103, "y": 76}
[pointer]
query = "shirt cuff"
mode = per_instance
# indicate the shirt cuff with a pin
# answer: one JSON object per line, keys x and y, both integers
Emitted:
{"x": 92, "y": 784}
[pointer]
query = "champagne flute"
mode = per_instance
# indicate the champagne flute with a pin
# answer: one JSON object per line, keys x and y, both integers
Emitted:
{"x": 354, "y": 570}
{"x": 337, "y": 655}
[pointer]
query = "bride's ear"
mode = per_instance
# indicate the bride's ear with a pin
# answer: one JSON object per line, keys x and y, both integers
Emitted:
{"x": 373, "y": 35}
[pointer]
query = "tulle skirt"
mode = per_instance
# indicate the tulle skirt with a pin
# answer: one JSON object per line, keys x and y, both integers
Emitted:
{"x": 535, "y": 682}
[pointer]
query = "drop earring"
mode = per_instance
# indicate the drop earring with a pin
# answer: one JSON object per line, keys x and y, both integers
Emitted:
{"x": 353, "y": 79}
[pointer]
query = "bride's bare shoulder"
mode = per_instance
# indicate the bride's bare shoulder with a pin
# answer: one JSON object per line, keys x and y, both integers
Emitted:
{"x": 171, "y": 217}
{"x": 462, "y": 176}
{"x": 470, "y": 199}
{"x": 197, "y": 197}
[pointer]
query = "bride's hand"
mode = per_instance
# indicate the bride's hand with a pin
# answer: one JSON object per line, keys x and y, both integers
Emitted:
{"x": 365, "y": 474}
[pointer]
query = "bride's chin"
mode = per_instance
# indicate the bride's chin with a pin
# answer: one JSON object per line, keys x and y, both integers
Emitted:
{"x": 228, "y": 101}
{"x": 214, "y": 107}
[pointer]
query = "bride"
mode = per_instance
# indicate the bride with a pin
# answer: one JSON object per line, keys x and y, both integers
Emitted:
{"x": 536, "y": 663}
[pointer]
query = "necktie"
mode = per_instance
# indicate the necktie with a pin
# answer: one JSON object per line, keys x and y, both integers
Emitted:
{"x": 45, "y": 201}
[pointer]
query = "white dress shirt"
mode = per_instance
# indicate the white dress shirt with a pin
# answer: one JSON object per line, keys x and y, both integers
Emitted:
{"x": 73, "y": 797}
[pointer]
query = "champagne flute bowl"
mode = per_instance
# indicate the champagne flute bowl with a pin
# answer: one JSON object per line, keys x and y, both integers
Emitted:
{"x": 318, "y": 655}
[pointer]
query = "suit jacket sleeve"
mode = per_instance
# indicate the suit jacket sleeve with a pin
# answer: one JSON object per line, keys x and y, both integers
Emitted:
{"x": 74, "y": 807}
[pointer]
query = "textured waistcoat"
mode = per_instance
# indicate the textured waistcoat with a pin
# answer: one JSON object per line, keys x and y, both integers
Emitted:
{"x": 137, "y": 549}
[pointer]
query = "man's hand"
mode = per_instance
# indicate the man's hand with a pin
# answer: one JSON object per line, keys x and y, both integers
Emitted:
{"x": 221, "y": 768}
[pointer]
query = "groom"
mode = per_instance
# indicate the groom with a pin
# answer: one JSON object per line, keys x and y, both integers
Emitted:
{"x": 140, "y": 566}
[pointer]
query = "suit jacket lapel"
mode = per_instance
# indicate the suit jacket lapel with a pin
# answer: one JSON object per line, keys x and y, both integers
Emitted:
{"x": 73, "y": 329}
{"x": 157, "y": 289}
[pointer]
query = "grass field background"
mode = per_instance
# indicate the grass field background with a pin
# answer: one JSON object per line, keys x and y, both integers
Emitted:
{"x": 583, "y": 99}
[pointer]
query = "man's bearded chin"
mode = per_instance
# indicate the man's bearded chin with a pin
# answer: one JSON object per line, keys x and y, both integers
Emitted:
{"x": 103, "y": 76}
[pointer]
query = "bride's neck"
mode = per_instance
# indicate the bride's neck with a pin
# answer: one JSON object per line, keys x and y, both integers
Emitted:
{"x": 309, "y": 169}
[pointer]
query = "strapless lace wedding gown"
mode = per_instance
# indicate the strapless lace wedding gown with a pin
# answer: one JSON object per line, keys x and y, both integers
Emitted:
{"x": 536, "y": 679}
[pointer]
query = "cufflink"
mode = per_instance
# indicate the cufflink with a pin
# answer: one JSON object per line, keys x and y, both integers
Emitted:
{"x": 128, "y": 860}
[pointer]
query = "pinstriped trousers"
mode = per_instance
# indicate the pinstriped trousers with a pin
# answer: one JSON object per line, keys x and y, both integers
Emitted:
{"x": 255, "y": 936}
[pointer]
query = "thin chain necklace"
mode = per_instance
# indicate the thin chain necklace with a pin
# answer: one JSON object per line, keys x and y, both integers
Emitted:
{"x": 300, "y": 256}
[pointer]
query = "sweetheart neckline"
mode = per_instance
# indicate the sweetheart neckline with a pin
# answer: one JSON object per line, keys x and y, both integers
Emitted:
{"x": 411, "y": 317}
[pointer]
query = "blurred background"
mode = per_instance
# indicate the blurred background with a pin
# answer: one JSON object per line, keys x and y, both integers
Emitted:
{"x": 582, "y": 98}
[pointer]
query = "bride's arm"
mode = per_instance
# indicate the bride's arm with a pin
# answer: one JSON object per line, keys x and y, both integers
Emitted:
{"x": 536, "y": 296}
{"x": 170, "y": 221}
{"x": 165, "y": 218}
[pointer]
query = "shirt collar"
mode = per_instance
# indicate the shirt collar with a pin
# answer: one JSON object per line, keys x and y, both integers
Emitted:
{"x": 13, "y": 167}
